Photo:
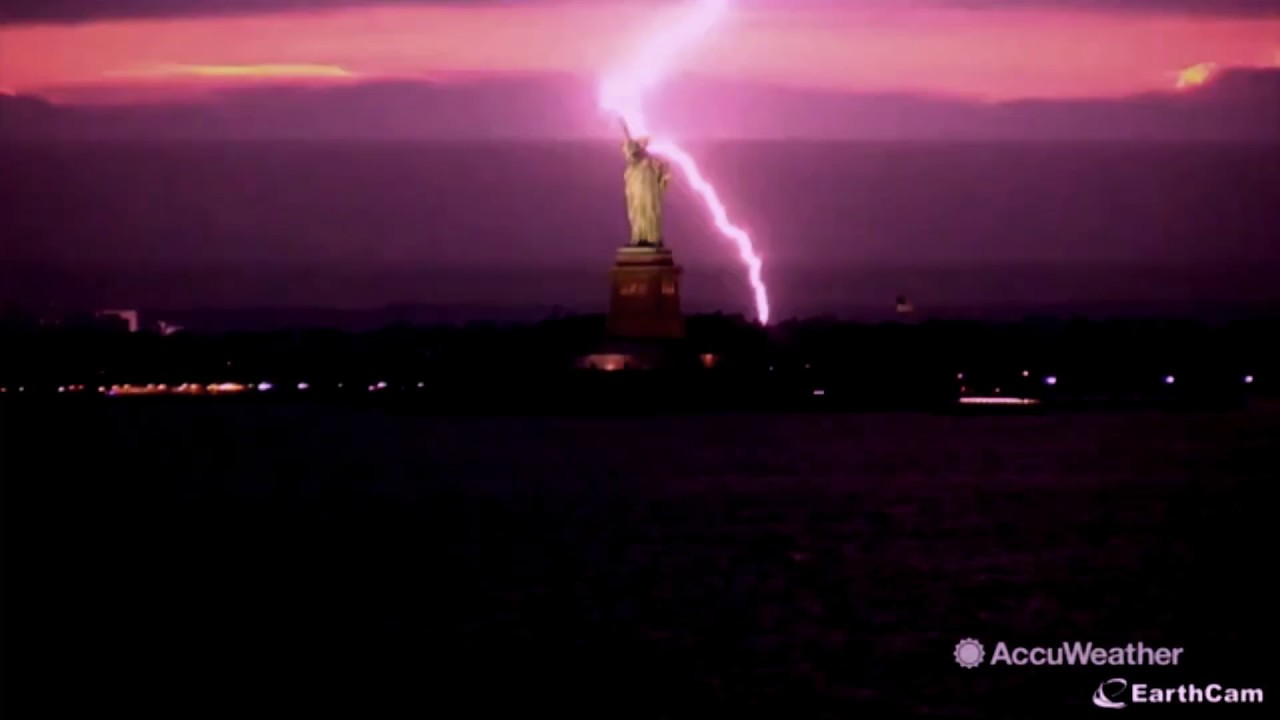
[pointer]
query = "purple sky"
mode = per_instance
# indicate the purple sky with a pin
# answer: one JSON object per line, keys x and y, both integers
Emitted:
{"x": 835, "y": 68}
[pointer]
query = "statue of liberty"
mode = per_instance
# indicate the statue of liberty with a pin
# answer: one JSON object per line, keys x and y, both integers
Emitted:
{"x": 646, "y": 178}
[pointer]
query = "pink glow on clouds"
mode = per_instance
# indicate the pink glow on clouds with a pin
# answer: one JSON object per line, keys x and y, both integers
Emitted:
{"x": 623, "y": 90}
{"x": 622, "y": 93}
{"x": 849, "y": 46}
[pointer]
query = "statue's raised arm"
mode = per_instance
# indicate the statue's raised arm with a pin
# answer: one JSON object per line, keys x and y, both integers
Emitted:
{"x": 632, "y": 148}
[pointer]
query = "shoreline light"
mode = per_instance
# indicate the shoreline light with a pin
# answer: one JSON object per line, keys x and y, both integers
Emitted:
{"x": 998, "y": 401}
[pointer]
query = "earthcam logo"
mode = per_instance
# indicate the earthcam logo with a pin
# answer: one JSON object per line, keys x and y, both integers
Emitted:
{"x": 1117, "y": 693}
{"x": 970, "y": 653}
{"x": 1109, "y": 693}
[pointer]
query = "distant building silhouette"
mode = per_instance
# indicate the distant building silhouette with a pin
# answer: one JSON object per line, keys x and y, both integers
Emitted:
{"x": 130, "y": 317}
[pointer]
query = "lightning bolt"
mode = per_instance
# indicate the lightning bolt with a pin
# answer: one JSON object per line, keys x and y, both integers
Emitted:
{"x": 622, "y": 92}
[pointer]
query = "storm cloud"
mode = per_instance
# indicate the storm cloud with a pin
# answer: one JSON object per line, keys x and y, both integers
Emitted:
{"x": 62, "y": 11}
{"x": 1239, "y": 105}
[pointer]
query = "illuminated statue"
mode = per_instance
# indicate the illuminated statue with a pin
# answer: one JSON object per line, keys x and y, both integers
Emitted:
{"x": 646, "y": 179}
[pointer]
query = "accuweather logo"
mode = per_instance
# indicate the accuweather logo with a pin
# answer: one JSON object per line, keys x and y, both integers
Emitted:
{"x": 1118, "y": 693}
{"x": 969, "y": 654}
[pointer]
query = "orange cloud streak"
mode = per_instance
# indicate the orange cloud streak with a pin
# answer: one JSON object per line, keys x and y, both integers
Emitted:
{"x": 276, "y": 71}
{"x": 1196, "y": 75}
{"x": 993, "y": 53}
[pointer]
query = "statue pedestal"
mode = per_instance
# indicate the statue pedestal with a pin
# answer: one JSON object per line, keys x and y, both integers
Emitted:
{"x": 645, "y": 303}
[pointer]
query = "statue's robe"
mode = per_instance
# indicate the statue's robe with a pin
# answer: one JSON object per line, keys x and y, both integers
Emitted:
{"x": 646, "y": 178}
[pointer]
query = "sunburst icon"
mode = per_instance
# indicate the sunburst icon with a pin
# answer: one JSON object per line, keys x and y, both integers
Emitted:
{"x": 969, "y": 653}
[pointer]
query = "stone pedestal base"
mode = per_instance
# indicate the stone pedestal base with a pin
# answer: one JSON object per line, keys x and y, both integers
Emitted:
{"x": 645, "y": 303}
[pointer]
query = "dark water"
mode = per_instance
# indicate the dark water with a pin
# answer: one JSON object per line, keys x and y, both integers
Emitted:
{"x": 843, "y": 226}
{"x": 180, "y": 557}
